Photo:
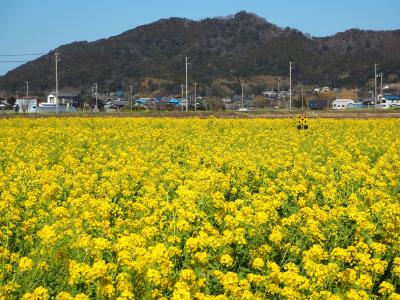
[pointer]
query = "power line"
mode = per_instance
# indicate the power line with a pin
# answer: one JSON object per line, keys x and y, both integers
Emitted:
{"x": 23, "y": 54}
{"x": 14, "y": 61}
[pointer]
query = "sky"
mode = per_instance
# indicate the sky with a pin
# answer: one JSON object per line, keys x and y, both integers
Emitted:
{"x": 38, "y": 26}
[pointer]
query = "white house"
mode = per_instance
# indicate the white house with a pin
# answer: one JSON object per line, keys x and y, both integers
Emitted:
{"x": 63, "y": 98}
{"x": 343, "y": 104}
{"x": 26, "y": 105}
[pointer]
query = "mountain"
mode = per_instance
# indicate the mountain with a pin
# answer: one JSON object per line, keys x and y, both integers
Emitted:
{"x": 225, "y": 49}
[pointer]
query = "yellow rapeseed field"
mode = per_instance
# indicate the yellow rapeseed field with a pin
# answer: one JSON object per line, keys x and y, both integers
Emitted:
{"x": 108, "y": 208}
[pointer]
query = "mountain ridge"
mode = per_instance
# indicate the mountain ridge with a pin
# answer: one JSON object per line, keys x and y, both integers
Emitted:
{"x": 235, "y": 48}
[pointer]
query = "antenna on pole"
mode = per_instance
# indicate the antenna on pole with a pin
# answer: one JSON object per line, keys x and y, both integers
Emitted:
{"x": 57, "y": 59}
{"x": 381, "y": 89}
{"x": 241, "y": 85}
{"x": 186, "y": 65}
{"x": 279, "y": 79}
{"x": 195, "y": 96}
{"x": 375, "y": 95}
{"x": 96, "y": 107}
{"x": 182, "y": 94}
{"x": 131, "y": 89}
{"x": 290, "y": 85}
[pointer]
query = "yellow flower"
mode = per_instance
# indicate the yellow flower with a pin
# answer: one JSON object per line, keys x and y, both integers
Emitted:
{"x": 357, "y": 295}
{"x": 386, "y": 288}
{"x": 39, "y": 293}
{"x": 122, "y": 208}
{"x": 64, "y": 296}
{"x": 396, "y": 267}
{"x": 276, "y": 236}
{"x": 81, "y": 296}
{"x": 394, "y": 296}
{"x": 47, "y": 235}
{"x": 201, "y": 257}
{"x": 25, "y": 264}
{"x": 108, "y": 290}
{"x": 258, "y": 263}
{"x": 364, "y": 281}
{"x": 181, "y": 294}
{"x": 187, "y": 275}
{"x": 154, "y": 276}
{"x": 226, "y": 260}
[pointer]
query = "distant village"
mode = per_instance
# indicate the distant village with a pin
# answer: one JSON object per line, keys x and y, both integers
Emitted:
{"x": 70, "y": 100}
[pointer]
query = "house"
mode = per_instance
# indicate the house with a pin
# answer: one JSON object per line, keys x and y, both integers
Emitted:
{"x": 70, "y": 98}
{"x": 26, "y": 105}
{"x": 343, "y": 104}
{"x": 66, "y": 102}
{"x": 168, "y": 103}
{"x": 388, "y": 101}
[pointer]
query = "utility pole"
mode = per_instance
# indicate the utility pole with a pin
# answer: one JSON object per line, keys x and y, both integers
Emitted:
{"x": 195, "y": 96}
{"x": 381, "y": 76}
{"x": 290, "y": 85}
{"x": 375, "y": 95}
{"x": 27, "y": 89}
{"x": 96, "y": 87}
{"x": 131, "y": 89}
{"x": 241, "y": 84}
{"x": 57, "y": 53}
{"x": 186, "y": 65}
{"x": 182, "y": 93}
{"x": 302, "y": 97}
{"x": 279, "y": 80}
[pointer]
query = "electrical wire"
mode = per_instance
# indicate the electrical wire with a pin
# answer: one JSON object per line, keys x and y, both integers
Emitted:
{"x": 23, "y": 54}
{"x": 13, "y": 61}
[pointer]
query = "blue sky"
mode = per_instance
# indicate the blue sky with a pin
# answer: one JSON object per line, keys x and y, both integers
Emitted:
{"x": 36, "y": 26}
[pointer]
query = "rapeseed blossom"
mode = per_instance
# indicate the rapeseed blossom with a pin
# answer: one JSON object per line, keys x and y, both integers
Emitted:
{"x": 25, "y": 264}
{"x": 106, "y": 208}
